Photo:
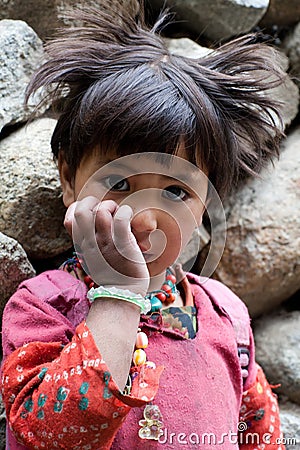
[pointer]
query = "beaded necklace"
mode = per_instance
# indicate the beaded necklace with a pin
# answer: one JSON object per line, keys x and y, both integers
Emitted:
{"x": 166, "y": 295}
{"x": 151, "y": 425}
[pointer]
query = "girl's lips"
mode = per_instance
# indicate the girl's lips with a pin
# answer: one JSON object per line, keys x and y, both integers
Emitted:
{"x": 149, "y": 257}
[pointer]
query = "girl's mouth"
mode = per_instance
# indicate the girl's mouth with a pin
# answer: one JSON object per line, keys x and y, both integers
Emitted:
{"x": 144, "y": 247}
{"x": 149, "y": 257}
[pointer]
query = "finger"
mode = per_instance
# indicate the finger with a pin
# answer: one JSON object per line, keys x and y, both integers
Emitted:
{"x": 83, "y": 225}
{"x": 122, "y": 227}
{"x": 69, "y": 218}
{"x": 104, "y": 212}
{"x": 84, "y": 212}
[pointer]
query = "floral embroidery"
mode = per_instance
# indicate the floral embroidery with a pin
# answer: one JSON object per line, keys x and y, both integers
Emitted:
{"x": 259, "y": 412}
{"x": 84, "y": 401}
{"x": 181, "y": 321}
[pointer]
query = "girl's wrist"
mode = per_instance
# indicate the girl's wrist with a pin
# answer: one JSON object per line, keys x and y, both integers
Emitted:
{"x": 118, "y": 293}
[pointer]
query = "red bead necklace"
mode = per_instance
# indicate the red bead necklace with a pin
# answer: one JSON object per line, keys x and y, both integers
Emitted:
{"x": 166, "y": 295}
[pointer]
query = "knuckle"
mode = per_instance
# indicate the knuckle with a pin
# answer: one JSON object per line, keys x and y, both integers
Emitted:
{"x": 79, "y": 213}
{"x": 105, "y": 242}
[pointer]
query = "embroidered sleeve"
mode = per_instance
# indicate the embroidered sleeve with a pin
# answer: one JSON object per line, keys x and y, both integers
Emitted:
{"x": 259, "y": 417}
{"x": 66, "y": 396}
{"x": 56, "y": 387}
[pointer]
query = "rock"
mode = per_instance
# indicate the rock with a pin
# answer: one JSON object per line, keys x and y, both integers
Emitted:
{"x": 186, "y": 47}
{"x": 290, "y": 425}
{"x": 45, "y": 19}
{"x": 31, "y": 207}
{"x": 261, "y": 259}
{"x": 217, "y": 19}
{"x": 14, "y": 268}
{"x": 282, "y": 13}
{"x": 20, "y": 56}
{"x": 287, "y": 94}
{"x": 198, "y": 241}
{"x": 291, "y": 46}
{"x": 277, "y": 339}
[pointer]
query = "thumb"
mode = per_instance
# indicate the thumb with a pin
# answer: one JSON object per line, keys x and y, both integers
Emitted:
{"x": 122, "y": 234}
{"x": 122, "y": 218}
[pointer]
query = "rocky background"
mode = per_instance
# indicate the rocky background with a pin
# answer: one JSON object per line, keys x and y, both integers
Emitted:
{"x": 261, "y": 258}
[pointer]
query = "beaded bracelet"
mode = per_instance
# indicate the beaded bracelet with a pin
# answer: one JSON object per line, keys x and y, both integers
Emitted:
{"x": 120, "y": 294}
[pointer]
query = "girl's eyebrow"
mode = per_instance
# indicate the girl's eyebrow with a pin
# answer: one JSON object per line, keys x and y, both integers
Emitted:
{"x": 183, "y": 177}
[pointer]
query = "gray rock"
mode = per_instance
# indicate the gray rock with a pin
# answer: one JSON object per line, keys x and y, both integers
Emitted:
{"x": 45, "y": 19}
{"x": 287, "y": 94}
{"x": 291, "y": 46}
{"x": 217, "y": 19}
{"x": 277, "y": 339}
{"x": 21, "y": 53}
{"x": 281, "y": 12}
{"x": 261, "y": 259}
{"x": 31, "y": 207}
{"x": 290, "y": 425}
{"x": 200, "y": 238}
{"x": 14, "y": 268}
{"x": 186, "y": 47}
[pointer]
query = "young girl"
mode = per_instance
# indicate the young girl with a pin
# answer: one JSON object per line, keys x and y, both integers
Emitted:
{"x": 116, "y": 349}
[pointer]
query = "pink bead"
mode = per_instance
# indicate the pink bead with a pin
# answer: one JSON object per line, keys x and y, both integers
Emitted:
{"x": 139, "y": 357}
{"x": 245, "y": 373}
{"x": 141, "y": 340}
{"x": 244, "y": 359}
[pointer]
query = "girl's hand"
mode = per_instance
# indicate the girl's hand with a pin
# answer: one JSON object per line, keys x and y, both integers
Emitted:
{"x": 103, "y": 239}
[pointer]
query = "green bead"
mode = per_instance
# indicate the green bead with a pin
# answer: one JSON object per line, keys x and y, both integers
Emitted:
{"x": 156, "y": 304}
{"x": 169, "y": 282}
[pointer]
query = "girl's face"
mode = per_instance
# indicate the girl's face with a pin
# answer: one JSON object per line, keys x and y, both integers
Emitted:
{"x": 167, "y": 198}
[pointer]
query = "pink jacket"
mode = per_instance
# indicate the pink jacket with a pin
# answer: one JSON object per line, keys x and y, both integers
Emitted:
{"x": 201, "y": 387}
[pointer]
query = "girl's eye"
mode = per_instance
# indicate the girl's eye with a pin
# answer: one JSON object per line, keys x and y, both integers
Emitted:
{"x": 116, "y": 183}
{"x": 175, "y": 193}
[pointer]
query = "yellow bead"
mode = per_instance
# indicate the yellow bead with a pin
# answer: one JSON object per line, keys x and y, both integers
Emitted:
{"x": 259, "y": 388}
{"x": 139, "y": 357}
{"x": 141, "y": 340}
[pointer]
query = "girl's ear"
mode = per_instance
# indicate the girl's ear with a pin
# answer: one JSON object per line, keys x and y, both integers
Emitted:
{"x": 66, "y": 181}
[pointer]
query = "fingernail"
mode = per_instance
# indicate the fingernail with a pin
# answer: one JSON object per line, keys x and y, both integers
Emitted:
{"x": 125, "y": 212}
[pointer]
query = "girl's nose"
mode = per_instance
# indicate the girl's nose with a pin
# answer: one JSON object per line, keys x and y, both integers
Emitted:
{"x": 144, "y": 221}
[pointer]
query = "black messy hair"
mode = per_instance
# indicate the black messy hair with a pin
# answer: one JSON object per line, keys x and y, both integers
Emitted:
{"x": 124, "y": 93}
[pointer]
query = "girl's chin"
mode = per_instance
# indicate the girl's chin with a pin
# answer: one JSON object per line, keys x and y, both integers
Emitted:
{"x": 155, "y": 268}
{"x": 149, "y": 257}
